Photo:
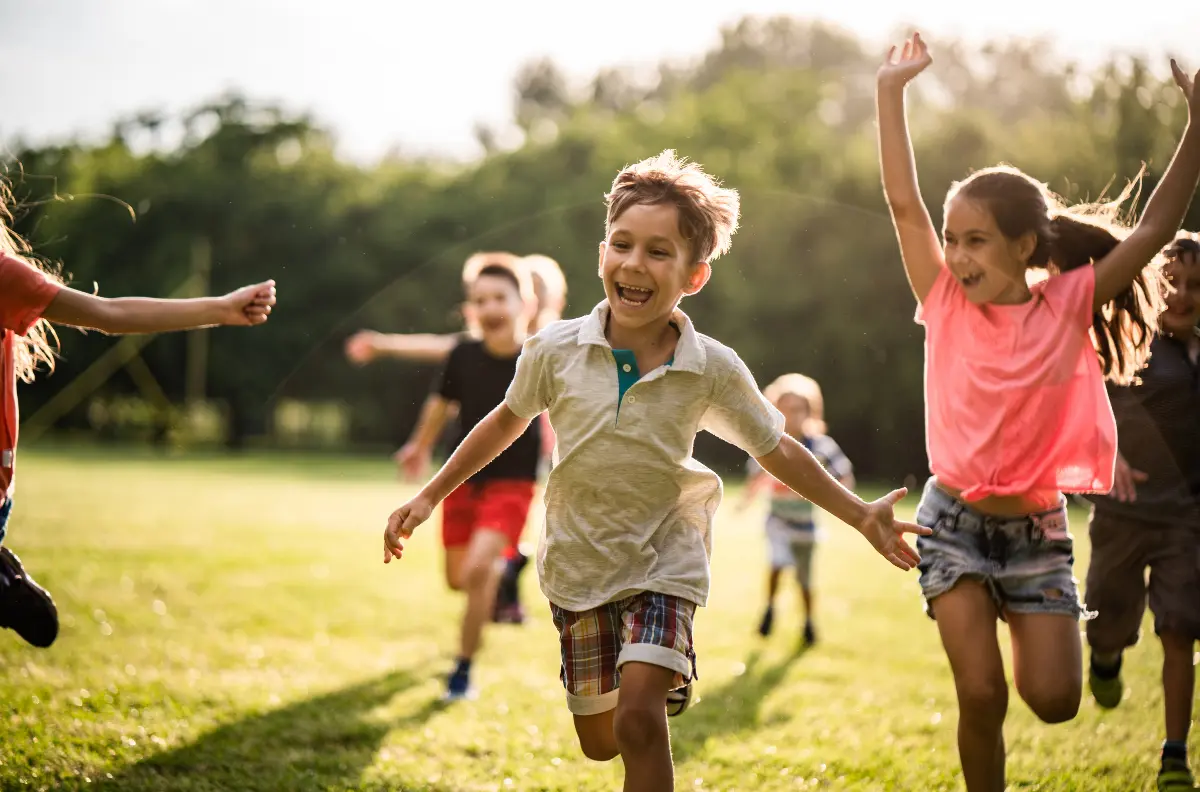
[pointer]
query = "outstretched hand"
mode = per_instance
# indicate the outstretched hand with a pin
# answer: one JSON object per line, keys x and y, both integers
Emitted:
{"x": 360, "y": 347}
{"x": 401, "y": 525}
{"x": 1188, "y": 85}
{"x": 886, "y": 533}
{"x": 913, "y": 58}
{"x": 249, "y": 305}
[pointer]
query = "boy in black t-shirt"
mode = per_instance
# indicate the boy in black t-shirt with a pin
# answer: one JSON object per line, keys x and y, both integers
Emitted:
{"x": 485, "y": 516}
{"x": 1151, "y": 519}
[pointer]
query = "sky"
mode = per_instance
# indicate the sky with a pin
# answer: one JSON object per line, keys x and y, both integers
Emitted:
{"x": 417, "y": 77}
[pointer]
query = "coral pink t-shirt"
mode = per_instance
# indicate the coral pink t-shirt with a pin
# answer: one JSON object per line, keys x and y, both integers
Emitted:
{"x": 1014, "y": 395}
{"x": 24, "y": 293}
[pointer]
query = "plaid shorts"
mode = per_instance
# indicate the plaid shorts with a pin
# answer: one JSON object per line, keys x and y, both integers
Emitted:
{"x": 646, "y": 628}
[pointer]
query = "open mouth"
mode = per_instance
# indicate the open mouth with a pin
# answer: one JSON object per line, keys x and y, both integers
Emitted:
{"x": 971, "y": 280}
{"x": 633, "y": 295}
{"x": 493, "y": 324}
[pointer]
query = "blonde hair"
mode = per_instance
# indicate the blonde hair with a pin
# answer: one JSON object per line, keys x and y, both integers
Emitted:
{"x": 708, "y": 212}
{"x": 554, "y": 285}
{"x": 39, "y": 345}
{"x": 806, "y": 388}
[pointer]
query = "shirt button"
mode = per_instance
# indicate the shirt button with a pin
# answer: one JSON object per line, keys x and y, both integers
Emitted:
{"x": 633, "y": 399}
{"x": 627, "y": 368}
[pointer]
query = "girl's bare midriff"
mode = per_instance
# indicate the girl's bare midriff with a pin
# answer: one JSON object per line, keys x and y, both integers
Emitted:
{"x": 1010, "y": 505}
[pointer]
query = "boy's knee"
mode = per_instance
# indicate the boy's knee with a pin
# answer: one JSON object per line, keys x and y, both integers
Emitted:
{"x": 597, "y": 748}
{"x": 478, "y": 574}
{"x": 637, "y": 727}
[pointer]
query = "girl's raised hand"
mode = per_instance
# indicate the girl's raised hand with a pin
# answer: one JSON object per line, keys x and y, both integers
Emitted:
{"x": 1188, "y": 85}
{"x": 912, "y": 60}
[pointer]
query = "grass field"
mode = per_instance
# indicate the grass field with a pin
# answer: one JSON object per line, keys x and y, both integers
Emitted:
{"x": 228, "y": 625}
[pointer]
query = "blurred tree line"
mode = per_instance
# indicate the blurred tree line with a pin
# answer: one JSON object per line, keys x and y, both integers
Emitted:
{"x": 782, "y": 109}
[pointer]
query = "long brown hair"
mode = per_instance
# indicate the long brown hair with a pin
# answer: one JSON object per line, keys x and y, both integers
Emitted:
{"x": 39, "y": 345}
{"x": 1069, "y": 237}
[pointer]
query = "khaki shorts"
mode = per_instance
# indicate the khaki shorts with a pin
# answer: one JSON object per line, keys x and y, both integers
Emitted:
{"x": 1122, "y": 551}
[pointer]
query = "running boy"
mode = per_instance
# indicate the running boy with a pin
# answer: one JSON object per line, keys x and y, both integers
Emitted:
{"x": 624, "y": 552}
{"x": 1152, "y": 518}
{"x": 484, "y": 515}
{"x": 791, "y": 529}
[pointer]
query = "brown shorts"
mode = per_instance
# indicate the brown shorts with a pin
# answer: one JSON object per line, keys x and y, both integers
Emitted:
{"x": 1122, "y": 550}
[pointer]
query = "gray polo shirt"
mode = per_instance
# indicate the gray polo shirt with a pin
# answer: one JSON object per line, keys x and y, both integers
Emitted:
{"x": 628, "y": 508}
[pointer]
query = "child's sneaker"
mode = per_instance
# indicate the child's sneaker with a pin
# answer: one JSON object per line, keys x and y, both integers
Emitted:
{"x": 458, "y": 686}
{"x": 25, "y": 607}
{"x": 678, "y": 700}
{"x": 1175, "y": 776}
{"x": 511, "y": 613}
{"x": 810, "y": 634}
{"x": 768, "y": 619}
{"x": 1105, "y": 683}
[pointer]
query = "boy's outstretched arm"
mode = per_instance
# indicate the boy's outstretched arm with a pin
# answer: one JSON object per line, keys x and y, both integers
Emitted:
{"x": 485, "y": 442}
{"x": 796, "y": 467}
{"x": 367, "y": 345}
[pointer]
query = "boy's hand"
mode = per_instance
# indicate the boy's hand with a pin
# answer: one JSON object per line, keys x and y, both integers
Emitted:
{"x": 913, "y": 60}
{"x": 1125, "y": 481}
{"x": 249, "y": 305}
{"x": 412, "y": 459}
{"x": 401, "y": 525}
{"x": 886, "y": 533}
{"x": 361, "y": 348}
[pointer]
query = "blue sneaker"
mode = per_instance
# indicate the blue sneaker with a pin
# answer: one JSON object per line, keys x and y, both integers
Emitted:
{"x": 458, "y": 686}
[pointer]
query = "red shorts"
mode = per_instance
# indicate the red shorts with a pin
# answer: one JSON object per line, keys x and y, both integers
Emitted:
{"x": 498, "y": 505}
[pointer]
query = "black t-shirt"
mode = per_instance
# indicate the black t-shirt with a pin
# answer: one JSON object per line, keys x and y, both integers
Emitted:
{"x": 1158, "y": 432}
{"x": 477, "y": 381}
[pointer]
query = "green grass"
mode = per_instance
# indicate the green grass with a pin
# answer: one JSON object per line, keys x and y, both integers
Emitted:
{"x": 227, "y": 624}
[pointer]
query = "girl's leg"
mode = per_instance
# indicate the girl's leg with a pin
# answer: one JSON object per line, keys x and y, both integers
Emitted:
{"x": 966, "y": 618}
{"x": 1047, "y": 663}
{"x": 1179, "y": 684}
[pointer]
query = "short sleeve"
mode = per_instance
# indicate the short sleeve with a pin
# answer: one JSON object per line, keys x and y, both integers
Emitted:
{"x": 940, "y": 297}
{"x": 1070, "y": 295}
{"x": 740, "y": 415}
{"x": 531, "y": 393}
{"x": 25, "y": 291}
{"x": 832, "y": 455}
{"x": 448, "y": 385}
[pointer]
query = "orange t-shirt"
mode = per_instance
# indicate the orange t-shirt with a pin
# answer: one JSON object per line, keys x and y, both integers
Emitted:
{"x": 1014, "y": 396}
{"x": 25, "y": 291}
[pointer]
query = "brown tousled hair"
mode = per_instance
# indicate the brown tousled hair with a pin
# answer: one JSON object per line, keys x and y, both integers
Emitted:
{"x": 1069, "y": 237}
{"x": 708, "y": 212}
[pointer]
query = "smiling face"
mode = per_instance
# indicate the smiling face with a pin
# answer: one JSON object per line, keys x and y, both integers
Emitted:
{"x": 646, "y": 266}
{"x": 989, "y": 266}
{"x": 496, "y": 304}
{"x": 1183, "y": 306}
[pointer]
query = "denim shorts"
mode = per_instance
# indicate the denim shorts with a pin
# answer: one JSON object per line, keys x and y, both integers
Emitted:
{"x": 1025, "y": 562}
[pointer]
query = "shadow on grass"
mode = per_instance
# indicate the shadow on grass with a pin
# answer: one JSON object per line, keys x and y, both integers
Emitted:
{"x": 730, "y": 708}
{"x": 320, "y": 743}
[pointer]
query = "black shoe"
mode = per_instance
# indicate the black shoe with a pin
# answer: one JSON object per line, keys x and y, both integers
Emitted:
{"x": 768, "y": 619}
{"x": 25, "y": 607}
{"x": 810, "y": 635}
